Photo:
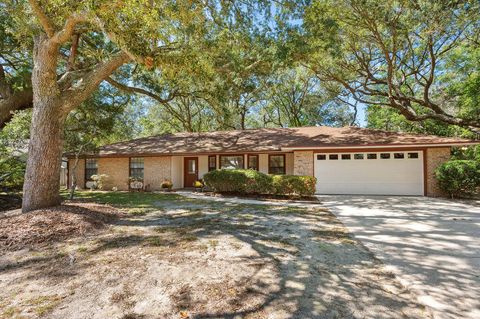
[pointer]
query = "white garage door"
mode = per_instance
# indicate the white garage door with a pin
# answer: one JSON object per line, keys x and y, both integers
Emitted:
{"x": 370, "y": 173}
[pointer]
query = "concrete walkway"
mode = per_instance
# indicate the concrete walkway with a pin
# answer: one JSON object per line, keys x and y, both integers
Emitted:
{"x": 432, "y": 245}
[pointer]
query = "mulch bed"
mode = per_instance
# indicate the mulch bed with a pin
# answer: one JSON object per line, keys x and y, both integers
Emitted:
{"x": 307, "y": 199}
{"x": 21, "y": 230}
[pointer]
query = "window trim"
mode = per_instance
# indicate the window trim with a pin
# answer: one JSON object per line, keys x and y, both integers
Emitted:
{"x": 214, "y": 168}
{"x": 284, "y": 164}
{"x": 227, "y": 155}
{"x": 86, "y": 179}
{"x": 130, "y": 168}
{"x": 258, "y": 161}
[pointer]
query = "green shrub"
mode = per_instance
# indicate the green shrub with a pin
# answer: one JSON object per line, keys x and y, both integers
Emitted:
{"x": 244, "y": 181}
{"x": 294, "y": 185}
{"x": 166, "y": 184}
{"x": 459, "y": 177}
{"x": 254, "y": 182}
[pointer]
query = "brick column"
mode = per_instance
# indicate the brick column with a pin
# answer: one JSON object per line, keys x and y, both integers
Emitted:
{"x": 303, "y": 163}
{"x": 435, "y": 157}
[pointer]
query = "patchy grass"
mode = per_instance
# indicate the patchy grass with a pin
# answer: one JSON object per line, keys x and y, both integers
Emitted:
{"x": 173, "y": 257}
{"x": 134, "y": 200}
{"x": 139, "y": 211}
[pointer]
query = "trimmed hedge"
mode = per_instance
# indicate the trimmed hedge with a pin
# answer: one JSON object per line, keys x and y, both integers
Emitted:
{"x": 294, "y": 185}
{"x": 246, "y": 181}
{"x": 459, "y": 177}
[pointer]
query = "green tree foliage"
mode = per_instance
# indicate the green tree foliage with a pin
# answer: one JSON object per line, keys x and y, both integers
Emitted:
{"x": 295, "y": 97}
{"x": 395, "y": 54}
{"x": 99, "y": 120}
{"x": 13, "y": 150}
{"x": 389, "y": 119}
{"x": 459, "y": 177}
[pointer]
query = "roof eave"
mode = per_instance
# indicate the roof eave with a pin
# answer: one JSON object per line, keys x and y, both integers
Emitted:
{"x": 390, "y": 145}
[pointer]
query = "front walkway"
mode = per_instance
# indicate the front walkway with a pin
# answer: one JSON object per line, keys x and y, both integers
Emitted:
{"x": 433, "y": 245}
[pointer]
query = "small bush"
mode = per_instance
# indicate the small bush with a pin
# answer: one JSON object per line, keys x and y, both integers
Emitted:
{"x": 459, "y": 177}
{"x": 99, "y": 181}
{"x": 166, "y": 184}
{"x": 244, "y": 181}
{"x": 294, "y": 185}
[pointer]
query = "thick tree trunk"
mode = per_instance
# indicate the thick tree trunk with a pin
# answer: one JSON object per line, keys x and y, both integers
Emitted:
{"x": 42, "y": 177}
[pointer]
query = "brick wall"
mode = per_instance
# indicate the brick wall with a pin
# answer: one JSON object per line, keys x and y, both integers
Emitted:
{"x": 156, "y": 170}
{"x": 303, "y": 163}
{"x": 435, "y": 157}
{"x": 117, "y": 170}
{"x": 80, "y": 172}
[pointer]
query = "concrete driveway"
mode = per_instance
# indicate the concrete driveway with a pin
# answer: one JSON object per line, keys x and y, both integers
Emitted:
{"x": 432, "y": 245}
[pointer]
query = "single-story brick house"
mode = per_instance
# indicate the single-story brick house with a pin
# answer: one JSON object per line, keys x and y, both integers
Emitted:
{"x": 347, "y": 160}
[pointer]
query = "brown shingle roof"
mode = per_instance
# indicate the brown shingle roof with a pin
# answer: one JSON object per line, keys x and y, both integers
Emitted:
{"x": 268, "y": 139}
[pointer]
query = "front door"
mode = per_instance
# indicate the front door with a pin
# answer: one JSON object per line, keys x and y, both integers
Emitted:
{"x": 190, "y": 171}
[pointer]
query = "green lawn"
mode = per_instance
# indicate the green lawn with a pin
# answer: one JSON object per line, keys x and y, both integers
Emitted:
{"x": 122, "y": 199}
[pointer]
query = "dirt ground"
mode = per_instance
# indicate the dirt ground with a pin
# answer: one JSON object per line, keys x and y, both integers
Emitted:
{"x": 186, "y": 258}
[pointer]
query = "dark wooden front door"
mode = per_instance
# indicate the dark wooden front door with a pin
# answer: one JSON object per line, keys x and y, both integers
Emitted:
{"x": 190, "y": 171}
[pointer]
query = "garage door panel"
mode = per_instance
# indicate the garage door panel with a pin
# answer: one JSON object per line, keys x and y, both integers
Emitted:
{"x": 370, "y": 176}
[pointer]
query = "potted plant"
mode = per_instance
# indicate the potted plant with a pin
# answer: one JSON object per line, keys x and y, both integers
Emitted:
{"x": 198, "y": 185}
{"x": 136, "y": 183}
{"x": 166, "y": 185}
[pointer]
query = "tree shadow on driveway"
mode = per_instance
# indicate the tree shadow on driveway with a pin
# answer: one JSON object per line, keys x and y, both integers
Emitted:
{"x": 431, "y": 244}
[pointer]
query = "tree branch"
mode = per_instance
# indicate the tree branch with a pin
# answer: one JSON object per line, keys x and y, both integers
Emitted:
{"x": 5, "y": 88}
{"x": 17, "y": 101}
{"x": 69, "y": 28}
{"x": 89, "y": 83}
{"x": 42, "y": 18}
{"x": 131, "y": 89}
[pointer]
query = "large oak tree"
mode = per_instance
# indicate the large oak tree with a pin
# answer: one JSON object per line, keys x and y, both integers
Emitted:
{"x": 76, "y": 46}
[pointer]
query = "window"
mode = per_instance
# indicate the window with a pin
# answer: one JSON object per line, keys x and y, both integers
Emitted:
{"x": 358, "y": 156}
{"x": 412, "y": 155}
{"x": 253, "y": 162}
{"x": 212, "y": 163}
{"x": 385, "y": 155}
{"x": 398, "y": 155}
{"x": 231, "y": 161}
{"x": 346, "y": 157}
{"x": 136, "y": 167}
{"x": 321, "y": 157}
{"x": 372, "y": 156}
{"x": 333, "y": 157}
{"x": 91, "y": 168}
{"x": 276, "y": 164}
{"x": 191, "y": 166}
